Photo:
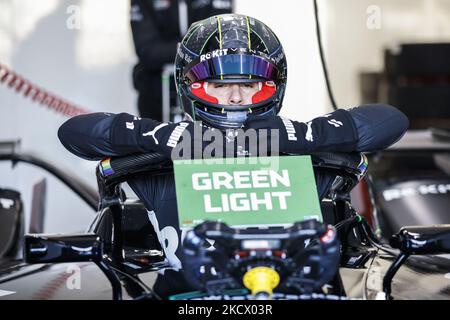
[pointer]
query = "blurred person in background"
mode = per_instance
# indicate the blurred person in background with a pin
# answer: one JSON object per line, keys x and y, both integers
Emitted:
{"x": 157, "y": 27}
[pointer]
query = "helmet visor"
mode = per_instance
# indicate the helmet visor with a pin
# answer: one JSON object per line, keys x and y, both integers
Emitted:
{"x": 233, "y": 67}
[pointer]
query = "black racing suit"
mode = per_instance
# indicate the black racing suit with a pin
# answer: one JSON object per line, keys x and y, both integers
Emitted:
{"x": 157, "y": 27}
{"x": 95, "y": 136}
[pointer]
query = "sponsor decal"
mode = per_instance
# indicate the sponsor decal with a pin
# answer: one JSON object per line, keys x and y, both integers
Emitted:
{"x": 335, "y": 123}
{"x": 176, "y": 134}
{"x": 168, "y": 238}
{"x": 184, "y": 56}
{"x": 278, "y": 57}
{"x": 130, "y": 125}
{"x": 309, "y": 136}
{"x": 196, "y": 85}
{"x": 425, "y": 189}
{"x": 290, "y": 129}
{"x": 213, "y": 54}
{"x": 6, "y": 203}
{"x": 230, "y": 51}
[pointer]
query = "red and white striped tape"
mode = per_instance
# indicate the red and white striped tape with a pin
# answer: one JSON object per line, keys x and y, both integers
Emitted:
{"x": 38, "y": 95}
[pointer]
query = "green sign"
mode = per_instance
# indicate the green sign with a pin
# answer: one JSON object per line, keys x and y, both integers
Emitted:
{"x": 246, "y": 191}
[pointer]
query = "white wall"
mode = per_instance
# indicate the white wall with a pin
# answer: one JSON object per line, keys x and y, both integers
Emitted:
{"x": 352, "y": 46}
{"x": 89, "y": 66}
{"x": 293, "y": 23}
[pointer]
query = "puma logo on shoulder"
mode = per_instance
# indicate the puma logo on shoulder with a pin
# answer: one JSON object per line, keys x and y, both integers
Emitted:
{"x": 153, "y": 132}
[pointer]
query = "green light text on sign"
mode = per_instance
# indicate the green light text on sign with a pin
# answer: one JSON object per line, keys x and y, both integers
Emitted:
{"x": 246, "y": 191}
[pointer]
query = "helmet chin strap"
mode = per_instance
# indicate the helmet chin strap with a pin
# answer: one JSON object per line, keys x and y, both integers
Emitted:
{"x": 237, "y": 116}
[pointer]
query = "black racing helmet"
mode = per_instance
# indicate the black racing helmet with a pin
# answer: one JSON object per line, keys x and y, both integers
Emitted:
{"x": 229, "y": 48}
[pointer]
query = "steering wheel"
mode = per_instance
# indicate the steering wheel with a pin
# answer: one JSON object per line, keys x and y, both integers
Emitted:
{"x": 300, "y": 259}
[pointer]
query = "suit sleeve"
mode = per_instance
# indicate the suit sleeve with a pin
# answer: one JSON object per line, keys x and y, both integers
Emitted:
{"x": 378, "y": 126}
{"x": 95, "y": 136}
{"x": 365, "y": 128}
{"x": 98, "y": 135}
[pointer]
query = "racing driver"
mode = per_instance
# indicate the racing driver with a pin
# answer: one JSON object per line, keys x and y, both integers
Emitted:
{"x": 231, "y": 77}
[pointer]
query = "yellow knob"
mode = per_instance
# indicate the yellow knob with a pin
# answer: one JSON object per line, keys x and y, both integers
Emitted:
{"x": 261, "y": 280}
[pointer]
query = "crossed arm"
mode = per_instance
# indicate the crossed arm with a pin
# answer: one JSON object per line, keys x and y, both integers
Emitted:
{"x": 364, "y": 129}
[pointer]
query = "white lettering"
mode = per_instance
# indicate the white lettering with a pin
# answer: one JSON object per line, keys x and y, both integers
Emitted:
{"x": 242, "y": 205}
{"x": 267, "y": 201}
{"x": 223, "y": 179}
{"x": 225, "y": 203}
{"x": 242, "y": 179}
{"x": 283, "y": 178}
{"x": 240, "y": 201}
{"x": 213, "y": 54}
{"x": 6, "y": 203}
{"x": 260, "y": 179}
{"x": 309, "y": 136}
{"x": 392, "y": 194}
{"x": 430, "y": 189}
{"x": 208, "y": 205}
{"x": 281, "y": 195}
{"x": 290, "y": 129}
{"x": 176, "y": 134}
{"x": 200, "y": 181}
{"x": 130, "y": 125}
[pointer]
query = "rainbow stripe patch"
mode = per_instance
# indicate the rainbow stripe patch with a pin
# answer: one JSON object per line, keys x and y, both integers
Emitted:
{"x": 105, "y": 165}
{"x": 363, "y": 165}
